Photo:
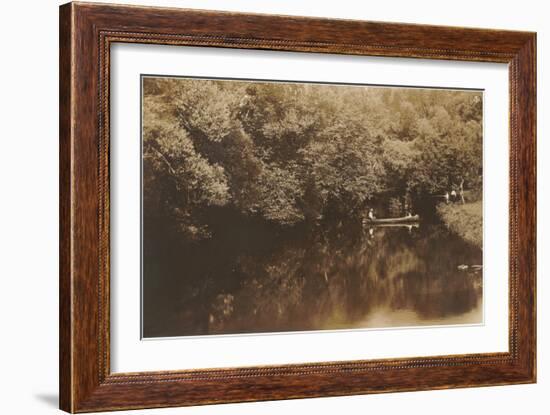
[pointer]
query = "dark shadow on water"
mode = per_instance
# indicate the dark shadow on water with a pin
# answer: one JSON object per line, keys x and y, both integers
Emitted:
{"x": 252, "y": 278}
{"x": 50, "y": 399}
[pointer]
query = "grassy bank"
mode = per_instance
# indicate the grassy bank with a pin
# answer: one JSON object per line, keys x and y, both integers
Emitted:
{"x": 466, "y": 220}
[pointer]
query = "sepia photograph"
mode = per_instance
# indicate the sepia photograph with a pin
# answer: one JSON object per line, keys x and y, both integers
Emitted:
{"x": 274, "y": 206}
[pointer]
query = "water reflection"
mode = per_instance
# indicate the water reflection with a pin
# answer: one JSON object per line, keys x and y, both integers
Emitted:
{"x": 264, "y": 281}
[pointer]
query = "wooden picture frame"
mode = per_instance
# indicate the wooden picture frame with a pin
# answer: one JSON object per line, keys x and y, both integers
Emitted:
{"x": 86, "y": 33}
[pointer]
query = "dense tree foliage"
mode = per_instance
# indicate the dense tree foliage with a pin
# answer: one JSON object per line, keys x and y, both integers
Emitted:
{"x": 289, "y": 153}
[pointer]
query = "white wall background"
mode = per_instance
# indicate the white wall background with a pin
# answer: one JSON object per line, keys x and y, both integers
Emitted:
{"x": 29, "y": 206}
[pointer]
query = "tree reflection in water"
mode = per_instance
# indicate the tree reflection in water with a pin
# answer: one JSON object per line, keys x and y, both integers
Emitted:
{"x": 256, "y": 279}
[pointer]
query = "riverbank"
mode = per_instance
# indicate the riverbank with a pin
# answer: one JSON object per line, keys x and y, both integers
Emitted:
{"x": 465, "y": 220}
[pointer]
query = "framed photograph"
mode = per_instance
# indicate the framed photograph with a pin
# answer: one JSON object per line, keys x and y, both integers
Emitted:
{"x": 258, "y": 207}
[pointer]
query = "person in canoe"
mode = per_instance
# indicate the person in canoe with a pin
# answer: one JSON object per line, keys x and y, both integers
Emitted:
{"x": 371, "y": 214}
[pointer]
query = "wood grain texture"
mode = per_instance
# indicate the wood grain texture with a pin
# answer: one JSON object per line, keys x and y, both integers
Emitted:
{"x": 86, "y": 33}
{"x": 65, "y": 137}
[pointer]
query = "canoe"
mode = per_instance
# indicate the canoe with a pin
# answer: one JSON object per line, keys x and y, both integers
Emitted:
{"x": 404, "y": 219}
{"x": 407, "y": 225}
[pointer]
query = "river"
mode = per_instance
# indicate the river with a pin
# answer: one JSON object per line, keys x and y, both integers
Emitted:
{"x": 257, "y": 279}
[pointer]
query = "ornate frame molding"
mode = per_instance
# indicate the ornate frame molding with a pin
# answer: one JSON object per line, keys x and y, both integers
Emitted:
{"x": 86, "y": 34}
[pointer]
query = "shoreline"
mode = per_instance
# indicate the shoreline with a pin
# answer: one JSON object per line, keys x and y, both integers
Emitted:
{"x": 466, "y": 220}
